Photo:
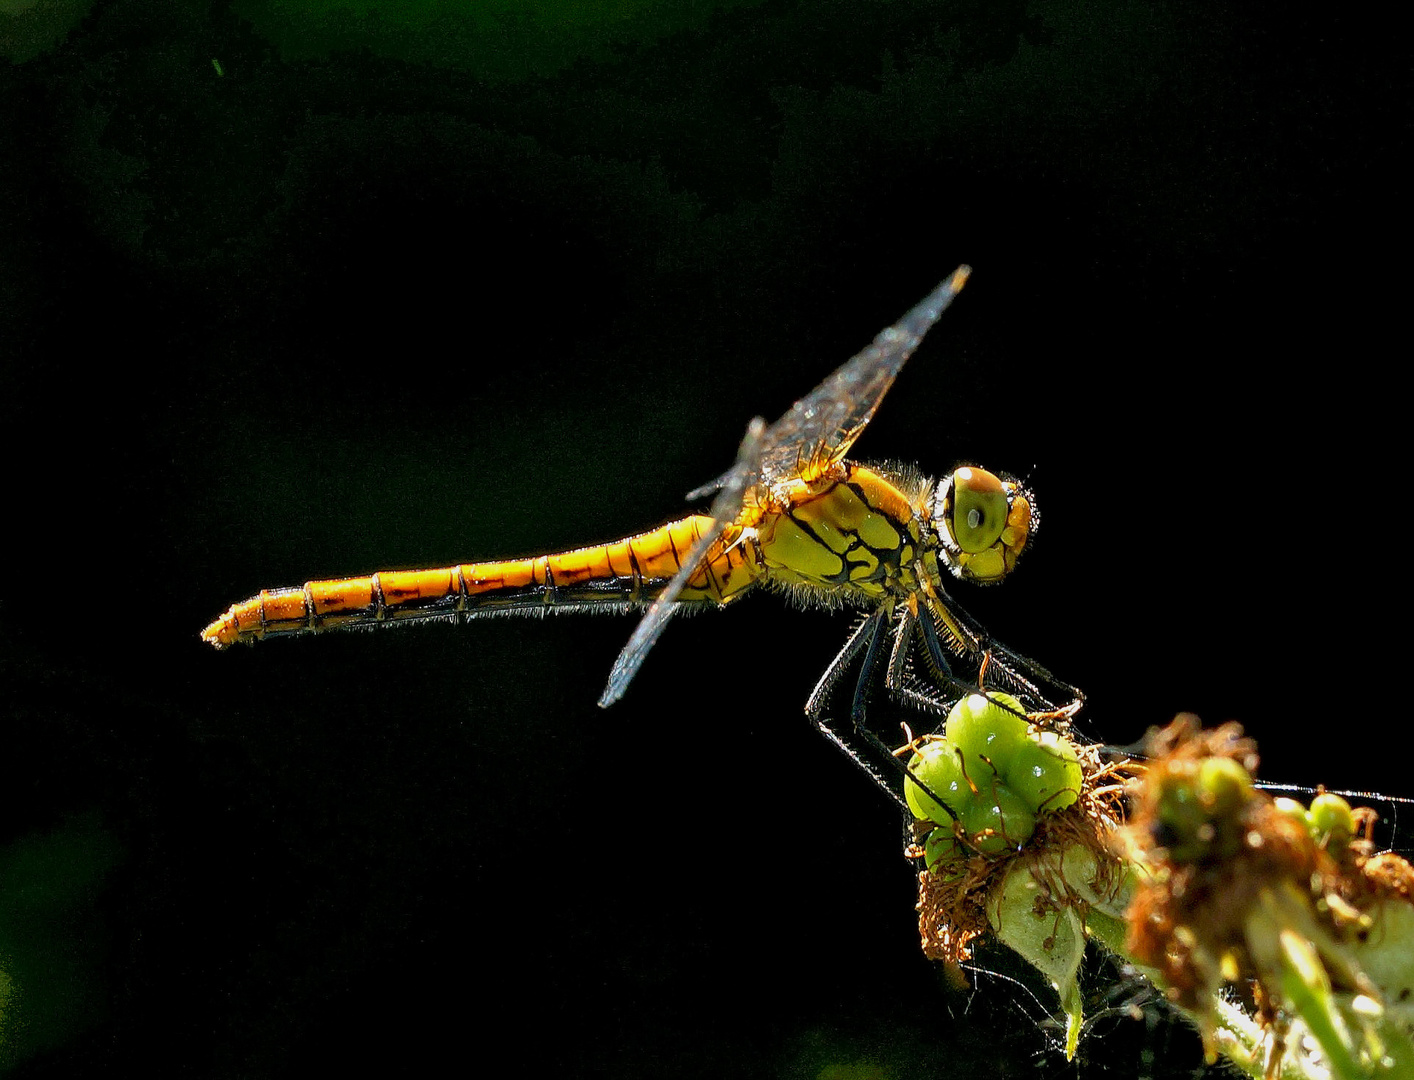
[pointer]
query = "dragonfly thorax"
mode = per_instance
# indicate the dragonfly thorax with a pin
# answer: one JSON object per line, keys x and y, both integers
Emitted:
{"x": 983, "y": 523}
{"x": 856, "y": 537}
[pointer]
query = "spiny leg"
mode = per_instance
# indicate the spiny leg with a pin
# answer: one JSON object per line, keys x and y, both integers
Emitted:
{"x": 990, "y": 655}
{"x": 948, "y": 687}
{"x": 867, "y": 638}
{"x": 937, "y": 661}
{"x": 999, "y": 655}
{"x": 858, "y": 639}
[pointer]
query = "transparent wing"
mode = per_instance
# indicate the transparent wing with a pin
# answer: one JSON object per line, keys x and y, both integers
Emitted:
{"x": 820, "y": 428}
{"x": 725, "y": 508}
{"x": 812, "y": 436}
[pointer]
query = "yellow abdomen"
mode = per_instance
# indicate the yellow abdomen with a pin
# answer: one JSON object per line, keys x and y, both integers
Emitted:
{"x": 616, "y": 576}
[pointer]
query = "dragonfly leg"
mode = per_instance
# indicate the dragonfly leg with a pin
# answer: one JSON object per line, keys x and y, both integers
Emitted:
{"x": 863, "y": 745}
{"x": 822, "y": 725}
{"x": 865, "y": 639}
{"x": 936, "y": 657}
{"x": 897, "y": 680}
{"x": 1012, "y": 663}
{"x": 933, "y": 650}
{"x": 1034, "y": 684}
{"x": 949, "y": 687}
{"x": 815, "y": 706}
{"x": 859, "y": 706}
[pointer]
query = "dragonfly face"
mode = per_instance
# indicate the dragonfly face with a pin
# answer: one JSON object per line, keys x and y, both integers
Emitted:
{"x": 983, "y": 523}
{"x": 792, "y": 513}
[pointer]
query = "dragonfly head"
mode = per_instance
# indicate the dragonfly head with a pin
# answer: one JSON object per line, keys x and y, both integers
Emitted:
{"x": 983, "y": 523}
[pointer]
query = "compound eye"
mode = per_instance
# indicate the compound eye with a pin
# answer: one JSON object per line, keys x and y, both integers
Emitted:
{"x": 979, "y": 509}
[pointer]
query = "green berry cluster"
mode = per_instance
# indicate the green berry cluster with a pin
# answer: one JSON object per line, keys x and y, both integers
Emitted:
{"x": 1200, "y": 810}
{"x": 992, "y": 773}
{"x": 1330, "y": 820}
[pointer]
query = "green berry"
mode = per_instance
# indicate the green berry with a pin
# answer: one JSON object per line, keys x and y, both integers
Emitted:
{"x": 997, "y": 820}
{"x": 1045, "y": 772}
{"x": 1292, "y": 809}
{"x": 1224, "y": 786}
{"x": 937, "y": 767}
{"x": 983, "y": 728}
{"x": 1331, "y": 819}
{"x": 941, "y": 848}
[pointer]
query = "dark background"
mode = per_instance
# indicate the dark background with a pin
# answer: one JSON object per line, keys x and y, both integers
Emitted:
{"x": 396, "y": 290}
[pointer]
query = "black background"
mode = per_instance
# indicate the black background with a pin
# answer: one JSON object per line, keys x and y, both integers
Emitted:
{"x": 380, "y": 296}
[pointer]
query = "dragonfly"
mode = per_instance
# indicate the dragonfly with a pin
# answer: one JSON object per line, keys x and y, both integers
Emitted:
{"x": 793, "y": 515}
